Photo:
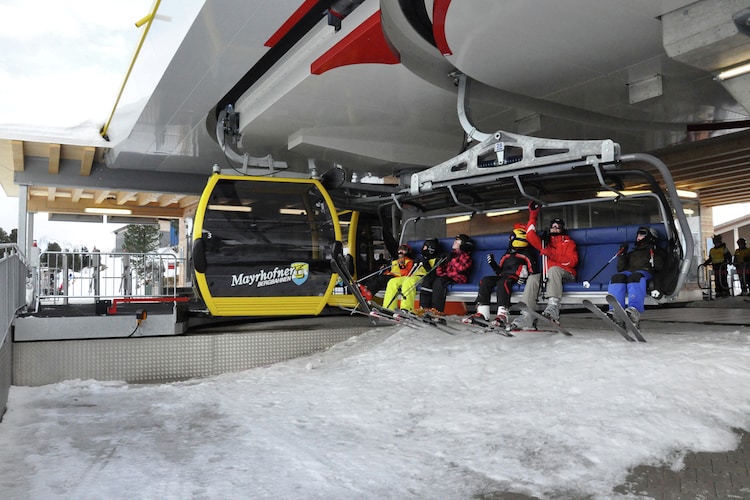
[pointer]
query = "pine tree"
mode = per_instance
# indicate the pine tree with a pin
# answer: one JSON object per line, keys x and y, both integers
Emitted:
{"x": 141, "y": 239}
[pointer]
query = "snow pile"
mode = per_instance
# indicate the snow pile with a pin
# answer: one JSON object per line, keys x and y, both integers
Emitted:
{"x": 395, "y": 413}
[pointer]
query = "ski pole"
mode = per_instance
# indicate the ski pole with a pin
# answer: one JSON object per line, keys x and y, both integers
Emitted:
{"x": 587, "y": 283}
{"x": 418, "y": 282}
{"x": 379, "y": 271}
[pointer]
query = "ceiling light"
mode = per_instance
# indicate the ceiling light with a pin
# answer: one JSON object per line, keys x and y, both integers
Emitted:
{"x": 682, "y": 193}
{"x": 732, "y": 72}
{"x": 504, "y": 212}
{"x": 108, "y": 211}
{"x": 460, "y": 218}
{"x": 625, "y": 192}
{"x": 230, "y": 208}
{"x": 292, "y": 211}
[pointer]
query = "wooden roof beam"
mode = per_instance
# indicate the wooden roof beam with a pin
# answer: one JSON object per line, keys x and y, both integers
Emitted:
{"x": 100, "y": 197}
{"x": 54, "y": 159}
{"x": 18, "y": 157}
{"x": 87, "y": 160}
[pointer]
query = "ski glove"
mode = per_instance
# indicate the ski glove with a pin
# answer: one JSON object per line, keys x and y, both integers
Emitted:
{"x": 533, "y": 214}
{"x": 623, "y": 248}
{"x": 533, "y": 210}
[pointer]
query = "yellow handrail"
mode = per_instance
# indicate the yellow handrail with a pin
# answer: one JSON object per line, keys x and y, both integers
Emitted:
{"x": 147, "y": 21}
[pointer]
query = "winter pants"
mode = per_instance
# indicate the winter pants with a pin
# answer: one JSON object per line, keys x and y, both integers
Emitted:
{"x": 556, "y": 276}
{"x": 504, "y": 284}
{"x": 408, "y": 287}
{"x": 630, "y": 288}
{"x": 743, "y": 271}
{"x": 436, "y": 299}
{"x": 720, "y": 280}
{"x": 425, "y": 292}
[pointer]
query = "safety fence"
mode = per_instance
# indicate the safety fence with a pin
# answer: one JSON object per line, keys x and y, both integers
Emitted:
{"x": 80, "y": 277}
{"x": 732, "y": 280}
{"x": 13, "y": 274}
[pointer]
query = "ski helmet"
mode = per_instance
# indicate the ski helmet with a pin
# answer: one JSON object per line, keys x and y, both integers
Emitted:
{"x": 742, "y": 242}
{"x": 518, "y": 238}
{"x": 467, "y": 245}
{"x": 430, "y": 248}
{"x": 717, "y": 240}
{"x": 557, "y": 221}
{"x": 404, "y": 249}
{"x": 649, "y": 232}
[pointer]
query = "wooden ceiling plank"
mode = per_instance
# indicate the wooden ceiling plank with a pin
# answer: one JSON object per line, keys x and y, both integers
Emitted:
{"x": 18, "y": 156}
{"x": 166, "y": 199}
{"x": 144, "y": 199}
{"x": 125, "y": 196}
{"x": 87, "y": 160}
{"x": 54, "y": 159}
{"x": 100, "y": 196}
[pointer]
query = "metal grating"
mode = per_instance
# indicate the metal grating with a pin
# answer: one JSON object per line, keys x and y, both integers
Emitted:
{"x": 164, "y": 359}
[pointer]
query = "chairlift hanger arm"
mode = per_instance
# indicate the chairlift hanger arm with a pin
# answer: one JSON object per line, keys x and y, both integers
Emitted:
{"x": 513, "y": 153}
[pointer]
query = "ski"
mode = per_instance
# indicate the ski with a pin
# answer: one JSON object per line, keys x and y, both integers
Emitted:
{"x": 376, "y": 317}
{"x": 623, "y": 316}
{"x": 408, "y": 316}
{"x": 548, "y": 323}
{"x": 603, "y": 316}
{"x": 338, "y": 265}
{"x": 487, "y": 326}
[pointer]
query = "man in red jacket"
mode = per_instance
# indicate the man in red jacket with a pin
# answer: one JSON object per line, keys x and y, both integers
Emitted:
{"x": 560, "y": 257}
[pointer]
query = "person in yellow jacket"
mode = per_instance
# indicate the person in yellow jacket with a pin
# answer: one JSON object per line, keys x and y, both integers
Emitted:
{"x": 407, "y": 285}
{"x": 719, "y": 258}
{"x": 400, "y": 267}
{"x": 742, "y": 263}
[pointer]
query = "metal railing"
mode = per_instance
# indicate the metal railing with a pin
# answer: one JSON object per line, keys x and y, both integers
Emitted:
{"x": 13, "y": 285}
{"x": 80, "y": 277}
{"x": 13, "y": 273}
{"x": 735, "y": 277}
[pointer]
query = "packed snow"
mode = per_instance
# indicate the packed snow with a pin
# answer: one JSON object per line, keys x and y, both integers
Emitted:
{"x": 397, "y": 412}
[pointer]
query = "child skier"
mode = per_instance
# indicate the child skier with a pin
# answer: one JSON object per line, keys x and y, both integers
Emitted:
{"x": 519, "y": 260}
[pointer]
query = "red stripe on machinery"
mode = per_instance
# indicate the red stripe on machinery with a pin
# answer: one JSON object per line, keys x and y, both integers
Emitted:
{"x": 439, "y": 11}
{"x": 365, "y": 44}
{"x": 301, "y": 11}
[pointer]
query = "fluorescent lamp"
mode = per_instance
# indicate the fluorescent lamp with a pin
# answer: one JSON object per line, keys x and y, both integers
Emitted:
{"x": 460, "y": 218}
{"x": 230, "y": 208}
{"x": 108, "y": 211}
{"x": 732, "y": 72}
{"x": 626, "y": 192}
{"x": 292, "y": 211}
{"x": 504, "y": 212}
{"x": 682, "y": 193}
{"x": 686, "y": 194}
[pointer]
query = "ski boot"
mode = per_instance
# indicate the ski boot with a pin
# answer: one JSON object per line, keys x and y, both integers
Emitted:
{"x": 501, "y": 319}
{"x": 523, "y": 322}
{"x": 612, "y": 316}
{"x": 367, "y": 294}
{"x": 634, "y": 315}
{"x": 552, "y": 311}
{"x": 482, "y": 315}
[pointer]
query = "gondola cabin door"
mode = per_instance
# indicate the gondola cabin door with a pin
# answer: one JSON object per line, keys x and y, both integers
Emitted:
{"x": 261, "y": 246}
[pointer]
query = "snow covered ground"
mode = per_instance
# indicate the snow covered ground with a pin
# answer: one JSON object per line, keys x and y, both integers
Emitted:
{"x": 397, "y": 412}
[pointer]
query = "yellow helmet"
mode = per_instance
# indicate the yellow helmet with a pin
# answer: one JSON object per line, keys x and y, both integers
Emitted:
{"x": 518, "y": 238}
